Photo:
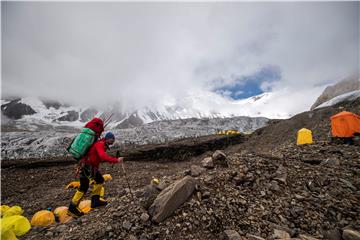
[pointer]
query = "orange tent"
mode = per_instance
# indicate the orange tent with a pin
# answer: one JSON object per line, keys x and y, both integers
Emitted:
{"x": 345, "y": 124}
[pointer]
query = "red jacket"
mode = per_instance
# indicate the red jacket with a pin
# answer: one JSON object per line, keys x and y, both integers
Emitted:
{"x": 97, "y": 154}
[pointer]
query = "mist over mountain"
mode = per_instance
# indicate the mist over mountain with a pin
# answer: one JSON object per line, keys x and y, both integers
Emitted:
{"x": 344, "y": 86}
{"x": 32, "y": 112}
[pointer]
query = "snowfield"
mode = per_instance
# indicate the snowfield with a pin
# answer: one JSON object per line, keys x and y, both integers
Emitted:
{"x": 350, "y": 96}
{"x": 36, "y": 144}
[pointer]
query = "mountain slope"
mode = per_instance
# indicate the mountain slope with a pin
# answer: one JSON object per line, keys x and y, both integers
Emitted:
{"x": 36, "y": 113}
{"x": 283, "y": 132}
{"x": 347, "y": 85}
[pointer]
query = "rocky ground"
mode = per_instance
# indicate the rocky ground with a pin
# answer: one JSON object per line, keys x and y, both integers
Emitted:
{"x": 295, "y": 191}
{"x": 283, "y": 132}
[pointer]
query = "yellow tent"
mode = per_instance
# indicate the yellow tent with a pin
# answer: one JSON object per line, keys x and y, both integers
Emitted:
{"x": 304, "y": 136}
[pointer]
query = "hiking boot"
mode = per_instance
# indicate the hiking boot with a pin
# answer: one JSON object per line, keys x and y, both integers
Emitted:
{"x": 74, "y": 211}
{"x": 97, "y": 202}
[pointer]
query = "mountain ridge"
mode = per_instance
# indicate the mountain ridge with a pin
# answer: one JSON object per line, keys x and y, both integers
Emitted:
{"x": 38, "y": 111}
{"x": 344, "y": 86}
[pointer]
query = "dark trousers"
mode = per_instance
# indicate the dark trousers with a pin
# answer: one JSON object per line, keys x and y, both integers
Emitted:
{"x": 87, "y": 173}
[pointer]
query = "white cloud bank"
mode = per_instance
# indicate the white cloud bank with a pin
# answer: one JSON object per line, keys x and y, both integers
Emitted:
{"x": 137, "y": 53}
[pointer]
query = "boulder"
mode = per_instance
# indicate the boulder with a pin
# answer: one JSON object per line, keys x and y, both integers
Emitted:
{"x": 147, "y": 195}
{"x": 171, "y": 198}
{"x": 281, "y": 174}
{"x": 162, "y": 185}
{"x": 231, "y": 235}
{"x": 349, "y": 234}
{"x": 332, "y": 234}
{"x": 219, "y": 158}
{"x": 208, "y": 162}
{"x": 196, "y": 170}
{"x": 330, "y": 162}
{"x": 281, "y": 234}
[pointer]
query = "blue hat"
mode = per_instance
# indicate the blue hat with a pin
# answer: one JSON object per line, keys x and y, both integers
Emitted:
{"x": 109, "y": 135}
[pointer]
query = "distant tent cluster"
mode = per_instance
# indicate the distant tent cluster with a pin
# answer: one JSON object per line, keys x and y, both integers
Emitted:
{"x": 344, "y": 125}
{"x": 228, "y": 132}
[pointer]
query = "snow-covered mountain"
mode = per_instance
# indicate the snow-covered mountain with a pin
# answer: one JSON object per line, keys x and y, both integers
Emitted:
{"x": 34, "y": 127}
{"x": 346, "y": 97}
{"x": 344, "y": 86}
{"x": 27, "y": 144}
{"x": 36, "y": 113}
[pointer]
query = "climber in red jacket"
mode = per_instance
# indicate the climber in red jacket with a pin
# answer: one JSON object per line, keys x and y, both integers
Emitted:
{"x": 90, "y": 171}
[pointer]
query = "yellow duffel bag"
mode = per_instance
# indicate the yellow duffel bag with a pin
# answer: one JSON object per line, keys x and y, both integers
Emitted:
{"x": 61, "y": 213}
{"x": 19, "y": 225}
{"x": 3, "y": 209}
{"x": 13, "y": 211}
{"x": 43, "y": 218}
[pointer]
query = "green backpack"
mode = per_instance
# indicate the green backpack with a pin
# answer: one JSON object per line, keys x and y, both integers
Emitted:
{"x": 81, "y": 143}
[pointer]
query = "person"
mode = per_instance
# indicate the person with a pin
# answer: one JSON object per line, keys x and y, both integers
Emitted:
{"x": 90, "y": 171}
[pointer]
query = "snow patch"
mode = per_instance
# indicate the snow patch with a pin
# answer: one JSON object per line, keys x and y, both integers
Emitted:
{"x": 350, "y": 96}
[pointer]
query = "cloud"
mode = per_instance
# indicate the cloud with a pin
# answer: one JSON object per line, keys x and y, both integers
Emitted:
{"x": 141, "y": 53}
{"x": 247, "y": 86}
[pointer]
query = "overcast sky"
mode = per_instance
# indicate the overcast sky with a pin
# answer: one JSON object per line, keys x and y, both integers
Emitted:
{"x": 138, "y": 53}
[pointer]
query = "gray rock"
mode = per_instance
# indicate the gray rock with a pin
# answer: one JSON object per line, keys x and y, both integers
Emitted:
{"x": 143, "y": 236}
{"x": 187, "y": 172}
{"x": 132, "y": 237}
{"x": 232, "y": 235}
{"x": 306, "y": 237}
{"x": 219, "y": 158}
{"x": 162, "y": 185}
{"x": 281, "y": 234}
{"x": 281, "y": 174}
{"x": 206, "y": 195}
{"x": 332, "y": 234}
{"x": 88, "y": 114}
{"x": 196, "y": 170}
{"x": 349, "y": 234}
{"x": 49, "y": 234}
{"x": 147, "y": 195}
{"x": 208, "y": 162}
{"x": 144, "y": 217}
{"x": 253, "y": 237}
{"x": 15, "y": 109}
{"x": 126, "y": 224}
{"x": 274, "y": 186}
{"x": 70, "y": 116}
{"x": 330, "y": 162}
{"x": 348, "y": 184}
{"x": 171, "y": 198}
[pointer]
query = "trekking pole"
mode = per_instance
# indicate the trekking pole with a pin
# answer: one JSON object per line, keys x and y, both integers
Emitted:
{"x": 108, "y": 120}
{"x": 122, "y": 164}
